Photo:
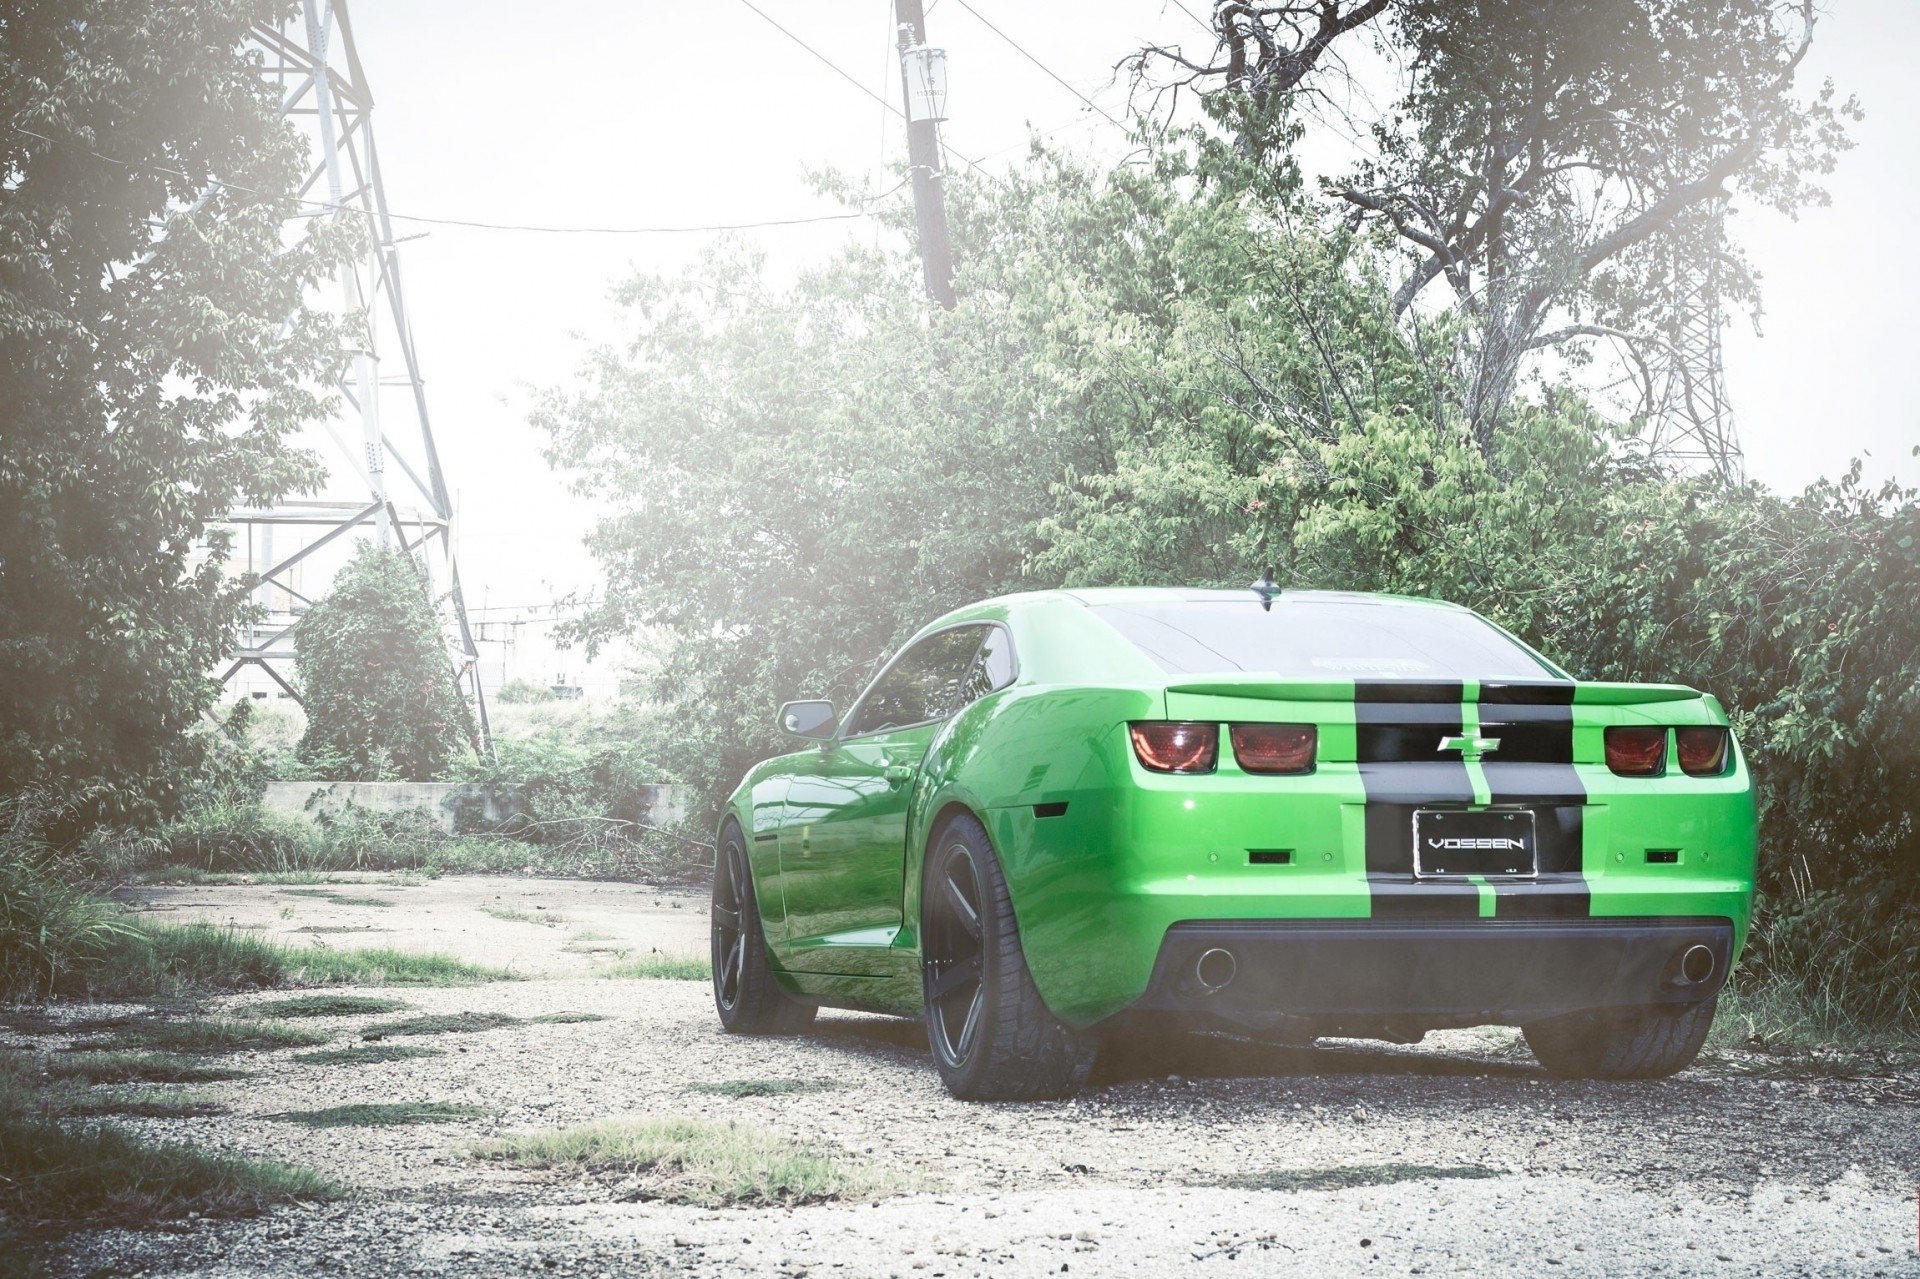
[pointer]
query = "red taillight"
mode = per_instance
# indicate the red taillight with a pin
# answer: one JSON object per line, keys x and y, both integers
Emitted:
{"x": 1637, "y": 752}
{"x": 1702, "y": 751}
{"x": 1274, "y": 748}
{"x": 1174, "y": 747}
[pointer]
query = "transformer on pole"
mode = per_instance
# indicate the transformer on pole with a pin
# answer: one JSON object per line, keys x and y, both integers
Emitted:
{"x": 313, "y": 66}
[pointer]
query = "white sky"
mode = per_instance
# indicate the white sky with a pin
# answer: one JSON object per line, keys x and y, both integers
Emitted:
{"x": 661, "y": 112}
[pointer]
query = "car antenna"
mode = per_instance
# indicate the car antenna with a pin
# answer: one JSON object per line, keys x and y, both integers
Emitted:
{"x": 1266, "y": 588}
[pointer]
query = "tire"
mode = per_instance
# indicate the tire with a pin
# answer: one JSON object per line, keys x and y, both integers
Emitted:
{"x": 1622, "y": 1043}
{"x": 745, "y": 993}
{"x": 993, "y": 1037}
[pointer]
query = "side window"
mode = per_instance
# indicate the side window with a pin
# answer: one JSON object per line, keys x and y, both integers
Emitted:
{"x": 925, "y": 684}
{"x": 992, "y": 667}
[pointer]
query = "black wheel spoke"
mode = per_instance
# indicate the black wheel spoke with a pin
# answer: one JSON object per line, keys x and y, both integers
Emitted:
{"x": 952, "y": 976}
{"x": 964, "y": 913}
{"x": 970, "y": 1028}
{"x": 726, "y": 917}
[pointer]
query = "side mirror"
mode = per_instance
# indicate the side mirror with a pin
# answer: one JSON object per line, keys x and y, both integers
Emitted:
{"x": 813, "y": 720}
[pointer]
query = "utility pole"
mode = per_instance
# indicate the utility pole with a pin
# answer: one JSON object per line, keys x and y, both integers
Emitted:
{"x": 923, "y": 84}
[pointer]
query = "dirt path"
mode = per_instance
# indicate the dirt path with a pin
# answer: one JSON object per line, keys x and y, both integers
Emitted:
{"x": 1187, "y": 1156}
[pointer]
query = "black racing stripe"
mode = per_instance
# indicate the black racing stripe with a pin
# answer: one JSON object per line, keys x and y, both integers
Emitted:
{"x": 1534, "y": 768}
{"x": 1397, "y": 731}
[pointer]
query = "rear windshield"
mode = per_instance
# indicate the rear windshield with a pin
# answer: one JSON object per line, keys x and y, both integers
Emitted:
{"x": 1321, "y": 639}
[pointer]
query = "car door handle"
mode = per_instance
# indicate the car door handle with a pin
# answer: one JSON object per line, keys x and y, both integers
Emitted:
{"x": 898, "y": 773}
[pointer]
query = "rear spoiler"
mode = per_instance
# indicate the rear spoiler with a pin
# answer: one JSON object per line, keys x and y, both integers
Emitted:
{"x": 1274, "y": 690}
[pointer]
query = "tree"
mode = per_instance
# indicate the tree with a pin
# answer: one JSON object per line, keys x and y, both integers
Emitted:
{"x": 155, "y": 353}
{"x": 381, "y": 699}
{"x": 1558, "y": 165}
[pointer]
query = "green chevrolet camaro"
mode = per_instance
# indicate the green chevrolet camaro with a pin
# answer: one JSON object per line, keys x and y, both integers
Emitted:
{"x": 1291, "y": 814}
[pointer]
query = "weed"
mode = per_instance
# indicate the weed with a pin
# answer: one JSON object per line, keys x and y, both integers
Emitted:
{"x": 382, "y": 1114}
{"x": 567, "y": 1019}
{"x": 348, "y": 899}
{"x": 439, "y": 1024}
{"x": 381, "y": 966}
{"x": 588, "y": 934}
{"x": 538, "y": 915}
{"x": 655, "y": 966}
{"x": 365, "y": 1055}
{"x": 696, "y": 1162}
{"x": 1346, "y": 1178}
{"x": 764, "y": 1087}
{"x": 100, "y": 1174}
{"x": 144, "y": 1104}
{"x": 324, "y": 1006}
{"x": 136, "y": 1067}
{"x": 205, "y": 1038}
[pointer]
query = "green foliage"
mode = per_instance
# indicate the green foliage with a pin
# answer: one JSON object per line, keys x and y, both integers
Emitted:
{"x": 698, "y": 1162}
{"x": 382, "y": 1114}
{"x": 381, "y": 700}
{"x": 156, "y": 354}
{"x": 659, "y": 967}
{"x": 523, "y": 692}
{"x": 440, "y": 1024}
{"x": 365, "y": 1055}
{"x": 193, "y": 1037}
{"x": 103, "y": 1175}
{"x": 49, "y": 924}
{"x": 226, "y": 836}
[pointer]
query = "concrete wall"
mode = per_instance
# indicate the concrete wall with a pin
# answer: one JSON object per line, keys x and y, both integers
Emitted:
{"x": 443, "y": 803}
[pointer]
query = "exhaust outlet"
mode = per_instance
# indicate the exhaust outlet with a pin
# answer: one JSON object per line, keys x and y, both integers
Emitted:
{"x": 1696, "y": 964}
{"x": 1215, "y": 969}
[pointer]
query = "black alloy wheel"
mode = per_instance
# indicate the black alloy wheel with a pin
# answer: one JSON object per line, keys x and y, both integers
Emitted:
{"x": 954, "y": 963}
{"x": 993, "y": 1036}
{"x": 745, "y": 993}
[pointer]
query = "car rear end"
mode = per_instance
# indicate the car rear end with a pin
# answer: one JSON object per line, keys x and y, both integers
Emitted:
{"x": 1389, "y": 851}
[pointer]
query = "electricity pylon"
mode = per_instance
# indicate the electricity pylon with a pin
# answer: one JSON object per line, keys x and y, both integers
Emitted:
{"x": 1691, "y": 422}
{"x": 312, "y": 64}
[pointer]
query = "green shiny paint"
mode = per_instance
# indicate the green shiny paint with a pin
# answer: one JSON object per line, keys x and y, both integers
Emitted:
{"x": 1135, "y": 852}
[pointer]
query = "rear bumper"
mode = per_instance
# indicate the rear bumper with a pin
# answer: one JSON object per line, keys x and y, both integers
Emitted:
{"x": 1401, "y": 978}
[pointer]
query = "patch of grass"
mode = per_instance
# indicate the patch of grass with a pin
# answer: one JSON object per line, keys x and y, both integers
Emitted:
{"x": 1781, "y": 1015}
{"x": 383, "y": 966}
{"x": 324, "y": 1006}
{"x": 659, "y": 967}
{"x": 206, "y": 1038}
{"x": 1346, "y": 1178}
{"x": 365, "y": 1055}
{"x": 764, "y": 1087}
{"x": 137, "y": 1067}
{"x": 567, "y": 1019}
{"x": 383, "y": 1114}
{"x": 143, "y": 1103}
{"x": 538, "y": 915}
{"x": 589, "y": 934}
{"x": 99, "y": 1174}
{"x": 336, "y": 897}
{"x": 696, "y": 1162}
{"x": 439, "y": 1024}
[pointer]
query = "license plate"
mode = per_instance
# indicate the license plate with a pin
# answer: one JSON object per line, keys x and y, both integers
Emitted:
{"x": 1491, "y": 842}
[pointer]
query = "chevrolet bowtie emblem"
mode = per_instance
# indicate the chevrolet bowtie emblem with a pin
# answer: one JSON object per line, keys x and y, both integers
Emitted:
{"x": 1470, "y": 748}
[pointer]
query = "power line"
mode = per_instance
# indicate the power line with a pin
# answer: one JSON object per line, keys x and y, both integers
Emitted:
{"x": 1036, "y": 62}
{"x": 468, "y": 223}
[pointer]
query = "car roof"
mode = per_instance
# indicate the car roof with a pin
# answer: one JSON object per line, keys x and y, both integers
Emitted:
{"x": 1094, "y": 597}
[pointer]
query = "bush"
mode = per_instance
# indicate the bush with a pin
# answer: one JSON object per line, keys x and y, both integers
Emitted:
{"x": 380, "y": 696}
{"x": 523, "y": 692}
{"x": 227, "y": 836}
{"x": 50, "y": 927}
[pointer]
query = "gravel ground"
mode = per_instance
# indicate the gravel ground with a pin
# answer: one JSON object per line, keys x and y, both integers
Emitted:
{"x": 1181, "y": 1154}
